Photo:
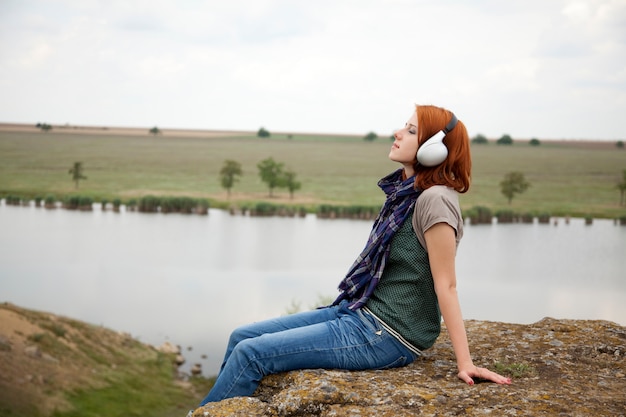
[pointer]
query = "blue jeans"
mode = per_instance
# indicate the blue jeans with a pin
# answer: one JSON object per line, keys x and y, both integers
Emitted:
{"x": 330, "y": 338}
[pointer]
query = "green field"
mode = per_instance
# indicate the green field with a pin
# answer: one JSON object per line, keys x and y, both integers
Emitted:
{"x": 575, "y": 179}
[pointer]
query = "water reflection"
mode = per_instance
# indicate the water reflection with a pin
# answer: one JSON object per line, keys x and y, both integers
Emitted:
{"x": 523, "y": 273}
{"x": 191, "y": 279}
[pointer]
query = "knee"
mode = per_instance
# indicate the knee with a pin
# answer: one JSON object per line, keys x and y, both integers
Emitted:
{"x": 244, "y": 352}
{"x": 239, "y": 334}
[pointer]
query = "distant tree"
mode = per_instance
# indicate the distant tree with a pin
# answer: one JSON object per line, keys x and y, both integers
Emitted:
{"x": 534, "y": 142}
{"x": 513, "y": 183}
{"x": 263, "y": 133}
{"x": 271, "y": 173}
{"x": 155, "y": 131}
{"x": 622, "y": 188}
{"x": 44, "y": 127}
{"x": 619, "y": 144}
{"x": 291, "y": 183}
{"x": 370, "y": 137}
{"x": 77, "y": 173}
{"x": 229, "y": 174}
{"x": 480, "y": 139}
{"x": 505, "y": 140}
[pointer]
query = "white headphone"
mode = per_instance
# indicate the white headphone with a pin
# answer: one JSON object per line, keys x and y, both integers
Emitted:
{"x": 434, "y": 151}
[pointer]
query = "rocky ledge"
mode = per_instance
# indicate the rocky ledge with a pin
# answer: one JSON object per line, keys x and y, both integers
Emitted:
{"x": 559, "y": 368}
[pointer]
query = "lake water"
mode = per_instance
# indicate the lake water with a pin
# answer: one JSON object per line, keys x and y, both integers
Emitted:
{"x": 190, "y": 279}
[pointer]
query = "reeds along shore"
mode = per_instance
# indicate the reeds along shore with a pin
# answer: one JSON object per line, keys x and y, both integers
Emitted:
{"x": 477, "y": 215}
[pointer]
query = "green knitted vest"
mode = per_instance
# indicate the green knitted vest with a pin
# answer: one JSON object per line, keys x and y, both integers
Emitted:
{"x": 405, "y": 297}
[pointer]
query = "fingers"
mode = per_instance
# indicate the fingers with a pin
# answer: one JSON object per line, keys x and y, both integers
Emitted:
{"x": 497, "y": 378}
{"x": 503, "y": 380}
{"x": 485, "y": 374}
{"x": 466, "y": 378}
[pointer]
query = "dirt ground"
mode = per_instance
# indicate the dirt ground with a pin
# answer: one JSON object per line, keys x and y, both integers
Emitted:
{"x": 121, "y": 131}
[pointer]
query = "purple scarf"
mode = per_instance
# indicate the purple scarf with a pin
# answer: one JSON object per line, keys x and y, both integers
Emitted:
{"x": 365, "y": 273}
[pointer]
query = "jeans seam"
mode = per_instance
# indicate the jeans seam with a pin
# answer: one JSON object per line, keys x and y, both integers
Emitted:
{"x": 366, "y": 322}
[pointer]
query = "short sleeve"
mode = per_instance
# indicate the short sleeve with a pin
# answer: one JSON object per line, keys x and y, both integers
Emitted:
{"x": 437, "y": 204}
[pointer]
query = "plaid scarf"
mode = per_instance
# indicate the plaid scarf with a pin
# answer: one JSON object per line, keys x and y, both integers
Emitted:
{"x": 365, "y": 273}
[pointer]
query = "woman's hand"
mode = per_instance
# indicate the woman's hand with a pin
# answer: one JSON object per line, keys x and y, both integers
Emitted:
{"x": 467, "y": 375}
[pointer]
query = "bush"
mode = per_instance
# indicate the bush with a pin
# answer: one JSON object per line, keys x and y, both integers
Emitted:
{"x": 326, "y": 211}
{"x": 506, "y": 216}
{"x": 202, "y": 206}
{"x": 131, "y": 205}
{"x": 370, "y": 137}
{"x": 78, "y": 202}
{"x": 480, "y": 139}
{"x": 543, "y": 218}
{"x": 50, "y": 201}
{"x": 85, "y": 203}
{"x": 152, "y": 204}
{"x": 263, "y": 209}
{"x": 527, "y": 217}
{"x": 13, "y": 200}
{"x": 360, "y": 212}
{"x": 186, "y": 205}
{"x": 71, "y": 202}
{"x": 148, "y": 204}
{"x": 480, "y": 215}
{"x": 44, "y": 126}
{"x": 176, "y": 205}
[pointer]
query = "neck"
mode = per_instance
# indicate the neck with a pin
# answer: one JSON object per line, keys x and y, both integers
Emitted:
{"x": 408, "y": 172}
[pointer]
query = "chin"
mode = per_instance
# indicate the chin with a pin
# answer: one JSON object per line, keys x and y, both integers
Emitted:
{"x": 397, "y": 159}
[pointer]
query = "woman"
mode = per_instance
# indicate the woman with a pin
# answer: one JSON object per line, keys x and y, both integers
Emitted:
{"x": 396, "y": 292}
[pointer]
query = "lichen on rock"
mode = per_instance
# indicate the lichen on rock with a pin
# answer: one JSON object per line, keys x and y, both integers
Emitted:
{"x": 559, "y": 367}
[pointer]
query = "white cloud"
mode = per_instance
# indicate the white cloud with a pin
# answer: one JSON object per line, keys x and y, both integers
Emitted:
{"x": 528, "y": 68}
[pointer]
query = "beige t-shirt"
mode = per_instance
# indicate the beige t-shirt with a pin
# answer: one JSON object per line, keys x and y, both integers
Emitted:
{"x": 437, "y": 204}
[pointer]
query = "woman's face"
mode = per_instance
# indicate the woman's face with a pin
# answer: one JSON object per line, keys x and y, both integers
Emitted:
{"x": 404, "y": 148}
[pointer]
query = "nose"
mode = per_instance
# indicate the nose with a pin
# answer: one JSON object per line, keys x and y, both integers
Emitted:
{"x": 396, "y": 133}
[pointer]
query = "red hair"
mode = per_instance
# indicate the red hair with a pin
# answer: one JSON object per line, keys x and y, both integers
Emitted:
{"x": 455, "y": 171}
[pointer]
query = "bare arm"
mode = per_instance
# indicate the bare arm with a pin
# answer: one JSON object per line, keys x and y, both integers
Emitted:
{"x": 440, "y": 240}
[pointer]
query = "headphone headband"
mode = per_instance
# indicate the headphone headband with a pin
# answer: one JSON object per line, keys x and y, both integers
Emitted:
{"x": 451, "y": 124}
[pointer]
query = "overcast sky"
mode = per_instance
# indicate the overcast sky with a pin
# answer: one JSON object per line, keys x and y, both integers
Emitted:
{"x": 548, "y": 69}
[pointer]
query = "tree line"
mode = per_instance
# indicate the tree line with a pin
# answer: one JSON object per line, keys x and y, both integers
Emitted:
{"x": 272, "y": 173}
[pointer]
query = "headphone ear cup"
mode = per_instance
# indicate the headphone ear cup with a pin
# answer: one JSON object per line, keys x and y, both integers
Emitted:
{"x": 433, "y": 151}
